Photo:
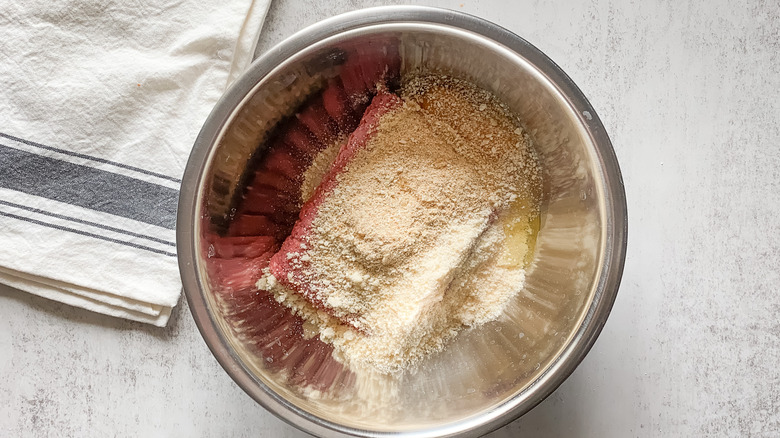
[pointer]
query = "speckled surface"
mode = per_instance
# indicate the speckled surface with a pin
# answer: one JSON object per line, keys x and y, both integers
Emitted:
{"x": 690, "y": 94}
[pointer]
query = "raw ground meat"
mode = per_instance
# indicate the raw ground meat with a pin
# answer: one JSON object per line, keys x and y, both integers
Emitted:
{"x": 269, "y": 208}
{"x": 329, "y": 115}
{"x": 292, "y": 274}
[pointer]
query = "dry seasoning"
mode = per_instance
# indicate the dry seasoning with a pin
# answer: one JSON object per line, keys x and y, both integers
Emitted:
{"x": 426, "y": 231}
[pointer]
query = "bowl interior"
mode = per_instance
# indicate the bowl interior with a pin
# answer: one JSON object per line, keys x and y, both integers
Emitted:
{"x": 486, "y": 371}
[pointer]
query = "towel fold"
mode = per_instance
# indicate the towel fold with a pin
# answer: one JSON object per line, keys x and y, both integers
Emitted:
{"x": 100, "y": 104}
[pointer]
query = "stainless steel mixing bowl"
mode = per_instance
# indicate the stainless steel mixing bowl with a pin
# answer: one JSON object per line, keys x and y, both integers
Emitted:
{"x": 490, "y": 375}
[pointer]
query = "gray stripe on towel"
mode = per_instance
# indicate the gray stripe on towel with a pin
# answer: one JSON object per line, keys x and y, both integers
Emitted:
{"x": 83, "y": 222}
{"x": 88, "y": 187}
{"x": 84, "y": 233}
{"x": 88, "y": 157}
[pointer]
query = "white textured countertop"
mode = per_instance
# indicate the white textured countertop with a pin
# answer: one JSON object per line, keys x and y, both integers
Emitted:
{"x": 690, "y": 94}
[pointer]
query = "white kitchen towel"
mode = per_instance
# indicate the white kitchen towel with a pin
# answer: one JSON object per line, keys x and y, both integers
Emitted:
{"x": 100, "y": 103}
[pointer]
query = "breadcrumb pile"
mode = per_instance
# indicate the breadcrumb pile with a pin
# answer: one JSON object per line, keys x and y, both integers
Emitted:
{"x": 427, "y": 231}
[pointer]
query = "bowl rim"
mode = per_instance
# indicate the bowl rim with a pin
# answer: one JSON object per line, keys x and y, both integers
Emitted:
{"x": 616, "y": 219}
